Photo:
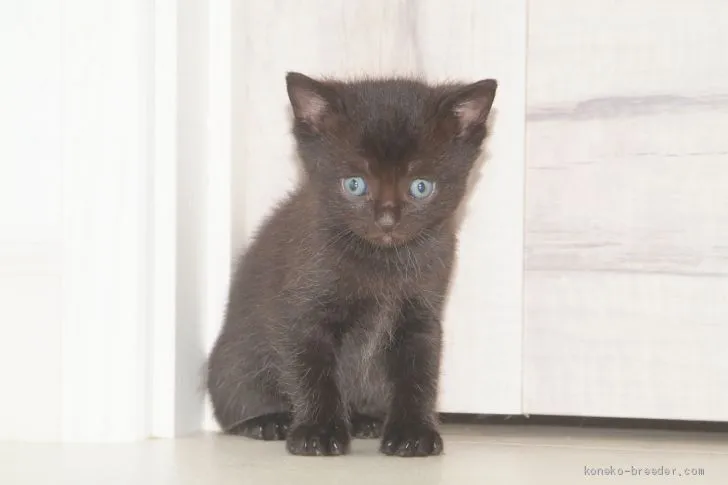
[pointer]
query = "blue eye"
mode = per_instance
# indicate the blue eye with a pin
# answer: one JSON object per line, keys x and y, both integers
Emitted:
{"x": 421, "y": 188}
{"x": 355, "y": 186}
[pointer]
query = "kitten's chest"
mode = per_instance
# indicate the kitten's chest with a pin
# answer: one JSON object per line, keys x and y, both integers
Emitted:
{"x": 389, "y": 289}
{"x": 360, "y": 362}
{"x": 369, "y": 326}
{"x": 381, "y": 281}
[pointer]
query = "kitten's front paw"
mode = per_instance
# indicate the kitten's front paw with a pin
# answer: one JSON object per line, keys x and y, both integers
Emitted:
{"x": 318, "y": 440}
{"x": 411, "y": 440}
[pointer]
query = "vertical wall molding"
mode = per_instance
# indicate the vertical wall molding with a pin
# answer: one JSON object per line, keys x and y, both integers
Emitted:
{"x": 193, "y": 119}
{"x": 218, "y": 182}
{"x": 162, "y": 229}
{"x": 145, "y": 149}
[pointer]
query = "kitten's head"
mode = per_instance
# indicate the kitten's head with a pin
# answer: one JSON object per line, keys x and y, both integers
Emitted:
{"x": 388, "y": 158}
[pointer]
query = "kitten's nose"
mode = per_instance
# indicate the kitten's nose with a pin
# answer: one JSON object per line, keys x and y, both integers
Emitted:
{"x": 386, "y": 221}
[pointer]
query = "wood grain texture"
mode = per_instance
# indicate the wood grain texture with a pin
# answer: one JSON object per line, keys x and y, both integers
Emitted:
{"x": 627, "y": 210}
{"x": 625, "y": 345}
{"x": 427, "y": 38}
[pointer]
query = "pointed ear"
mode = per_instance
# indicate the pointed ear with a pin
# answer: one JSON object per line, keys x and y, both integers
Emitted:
{"x": 314, "y": 103}
{"x": 470, "y": 105}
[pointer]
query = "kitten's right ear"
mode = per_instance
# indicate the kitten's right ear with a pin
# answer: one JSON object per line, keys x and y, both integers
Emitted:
{"x": 314, "y": 103}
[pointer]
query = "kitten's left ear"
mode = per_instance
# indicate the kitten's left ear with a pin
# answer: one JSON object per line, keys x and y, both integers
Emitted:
{"x": 314, "y": 103}
{"x": 471, "y": 106}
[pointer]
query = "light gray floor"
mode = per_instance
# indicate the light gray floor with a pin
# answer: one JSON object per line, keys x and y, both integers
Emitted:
{"x": 474, "y": 455}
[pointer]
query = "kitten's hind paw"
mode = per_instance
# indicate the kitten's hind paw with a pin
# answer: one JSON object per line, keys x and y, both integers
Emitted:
{"x": 269, "y": 427}
{"x": 319, "y": 440}
{"x": 363, "y": 426}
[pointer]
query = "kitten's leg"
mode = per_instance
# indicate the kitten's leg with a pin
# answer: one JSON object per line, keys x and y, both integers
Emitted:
{"x": 269, "y": 427}
{"x": 364, "y": 426}
{"x": 320, "y": 425}
{"x": 412, "y": 363}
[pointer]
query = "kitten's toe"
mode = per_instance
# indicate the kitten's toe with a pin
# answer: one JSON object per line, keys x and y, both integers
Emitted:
{"x": 319, "y": 440}
{"x": 363, "y": 426}
{"x": 269, "y": 427}
{"x": 411, "y": 440}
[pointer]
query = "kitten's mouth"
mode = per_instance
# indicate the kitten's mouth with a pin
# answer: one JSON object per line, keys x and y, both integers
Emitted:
{"x": 388, "y": 240}
{"x": 385, "y": 239}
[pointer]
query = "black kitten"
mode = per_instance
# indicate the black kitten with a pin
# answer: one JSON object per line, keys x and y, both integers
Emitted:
{"x": 333, "y": 321}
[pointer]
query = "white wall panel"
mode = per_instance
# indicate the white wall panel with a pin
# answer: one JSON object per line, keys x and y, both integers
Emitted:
{"x": 30, "y": 220}
{"x": 627, "y": 210}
